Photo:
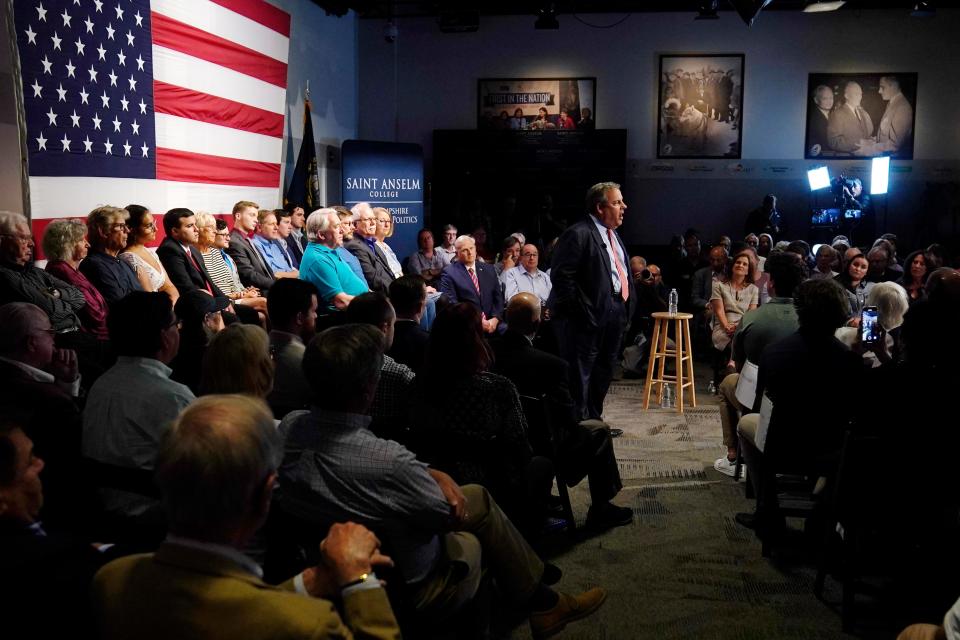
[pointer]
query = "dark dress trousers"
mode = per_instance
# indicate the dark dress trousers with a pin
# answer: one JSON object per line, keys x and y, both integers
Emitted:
{"x": 376, "y": 269}
{"x": 589, "y": 318}
{"x": 457, "y": 284}
{"x": 251, "y": 267}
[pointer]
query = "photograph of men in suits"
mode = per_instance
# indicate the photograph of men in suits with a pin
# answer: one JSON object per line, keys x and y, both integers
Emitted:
{"x": 467, "y": 280}
{"x": 592, "y": 297}
{"x": 818, "y": 116}
{"x": 849, "y": 124}
{"x": 895, "y": 133}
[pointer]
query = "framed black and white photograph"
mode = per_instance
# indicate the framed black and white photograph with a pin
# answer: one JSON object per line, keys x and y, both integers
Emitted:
{"x": 700, "y": 108}
{"x": 536, "y": 103}
{"x": 861, "y": 115}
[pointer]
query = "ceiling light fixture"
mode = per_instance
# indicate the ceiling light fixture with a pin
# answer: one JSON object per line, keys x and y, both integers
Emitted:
{"x": 707, "y": 10}
{"x": 923, "y": 9}
{"x": 820, "y": 7}
{"x": 547, "y": 17}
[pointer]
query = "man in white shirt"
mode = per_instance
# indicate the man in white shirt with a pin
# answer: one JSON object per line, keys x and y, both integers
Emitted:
{"x": 527, "y": 276}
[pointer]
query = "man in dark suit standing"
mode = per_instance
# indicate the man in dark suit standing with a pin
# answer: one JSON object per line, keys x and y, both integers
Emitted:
{"x": 581, "y": 451}
{"x": 251, "y": 267}
{"x": 592, "y": 297}
{"x": 467, "y": 280}
{"x": 363, "y": 245}
{"x": 180, "y": 257}
{"x": 818, "y": 118}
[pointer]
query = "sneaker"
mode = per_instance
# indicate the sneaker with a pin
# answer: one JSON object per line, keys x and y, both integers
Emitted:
{"x": 569, "y": 608}
{"x": 725, "y": 466}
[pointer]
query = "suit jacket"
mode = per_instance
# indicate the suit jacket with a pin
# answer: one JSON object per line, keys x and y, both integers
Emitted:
{"x": 581, "y": 275}
{"x": 896, "y": 125}
{"x": 184, "y": 593}
{"x": 409, "y": 344}
{"x": 845, "y": 131}
{"x": 456, "y": 283}
{"x": 376, "y": 269}
{"x": 817, "y": 131}
{"x": 251, "y": 267}
{"x": 295, "y": 249}
{"x": 184, "y": 276}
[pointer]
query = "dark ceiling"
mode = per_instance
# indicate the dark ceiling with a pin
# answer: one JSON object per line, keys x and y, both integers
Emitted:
{"x": 384, "y": 9}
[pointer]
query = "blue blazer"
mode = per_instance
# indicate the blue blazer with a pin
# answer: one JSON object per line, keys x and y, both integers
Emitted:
{"x": 456, "y": 283}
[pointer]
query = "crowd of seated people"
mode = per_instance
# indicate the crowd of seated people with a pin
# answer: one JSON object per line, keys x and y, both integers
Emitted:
{"x": 296, "y": 347}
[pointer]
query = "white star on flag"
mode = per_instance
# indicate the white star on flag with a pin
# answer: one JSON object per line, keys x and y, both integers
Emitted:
{"x": 61, "y": 93}
{"x": 122, "y": 58}
{"x": 108, "y": 147}
{"x": 37, "y": 89}
{"x": 96, "y": 121}
{"x": 46, "y": 64}
{"x": 70, "y": 69}
{"x": 124, "y": 103}
{"x": 41, "y": 142}
{"x": 88, "y": 25}
{"x": 84, "y": 95}
{"x": 116, "y": 124}
{"x": 56, "y": 41}
{"x": 41, "y": 12}
{"x": 80, "y": 46}
{"x": 66, "y": 18}
{"x": 65, "y": 142}
{"x": 52, "y": 117}
{"x": 99, "y": 5}
{"x": 31, "y": 35}
{"x": 126, "y": 148}
{"x": 75, "y": 118}
{"x": 144, "y": 149}
{"x": 93, "y": 74}
{"x": 110, "y": 31}
{"x": 87, "y": 145}
{"x": 113, "y": 78}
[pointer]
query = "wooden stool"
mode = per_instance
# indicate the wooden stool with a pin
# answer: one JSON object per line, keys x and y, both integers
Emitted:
{"x": 682, "y": 353}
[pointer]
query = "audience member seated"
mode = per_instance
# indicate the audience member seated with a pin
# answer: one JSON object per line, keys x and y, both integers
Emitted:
{"x": 427, "y": 262}
{"x": 879, "y": 260}
{"x": 107, "y": 234}
{"x": 65, "y": 245}
{"x": 408, "y": 295}
{"x": 149, "y": 270}
{"x": 437, "y": 532}
{"x": 891, "y": 302}
{"x": 201, "y": 317}
{"x": 252, "y": 268}
{"x": 347, "y": 227}
{"x": 759, "y": 328}
{"x": 376, "y": 268}
{"x": 323, "y": 267}
{"x": 237, "y": 360}
{"x": 805, "y": 430}
{"x": 297, "y": 240}
{"x": 509, "y": 256}
{"x": 293, "y": 318}
{"x": 448, "y": 248}
{"x": 702, "y": 290}
{"x": 732, "y": 297}
{"x": 652, "y": 297}
{"x": 180, "y": 256}
{"x": 469, "y": 421}
{"x": 217, "y": 469}
{"x": 854, "y": 282}
{"x": 389, "y": 410}
{"x": 267, "y": 241}
{"x": 889, "y": 240}
{"x": 133, "y": 403}
{"x": 384, "y": 231}
{"x": 826, "y": 261}
{"x": 582, "y": 452}
{"x": 527, "y": 277}
{"x": 915, "y": 272}
{"x": 288, "y": 244}
{"x": 46, "y": 572}
{"x": 42, "y": 383}
{"x": 469, "y": 280}
{"x": 213, "y": 238}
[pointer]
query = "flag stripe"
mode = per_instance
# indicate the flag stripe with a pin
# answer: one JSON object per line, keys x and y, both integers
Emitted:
{"x": 184, "y": 134}
{"x": 54, "y": 197}
{"x": 206, "y": 46}
{"x": 224, "y": 23}
{"x": 184, "y": 166}
{"x": 186, "y": 71}
{"x": 260, "y": 11}
{"x": 187, "y": 103}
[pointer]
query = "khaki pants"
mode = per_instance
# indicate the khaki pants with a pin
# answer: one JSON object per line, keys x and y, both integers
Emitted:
{"x": 730, "y": 409}
{"x": 489, "y": 534}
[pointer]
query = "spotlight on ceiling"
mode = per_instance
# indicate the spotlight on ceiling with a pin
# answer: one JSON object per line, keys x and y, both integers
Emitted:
{"x": 547, "y": 17}
{"x": 707, "y": 10}
{"x": 820, "y": 7}
{"x": 923, "y": 9}
{"x": 749, "y": 9}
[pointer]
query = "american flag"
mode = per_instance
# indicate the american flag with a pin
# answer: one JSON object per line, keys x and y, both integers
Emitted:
{"x": 164, "y": 103}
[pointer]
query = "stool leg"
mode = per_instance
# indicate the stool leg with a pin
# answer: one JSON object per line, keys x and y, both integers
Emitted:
{"x": 689, "y": 354}
{"x": 678, "y": 358}
{"x": 651, "y": 361}
{"x": 662, "y": 357}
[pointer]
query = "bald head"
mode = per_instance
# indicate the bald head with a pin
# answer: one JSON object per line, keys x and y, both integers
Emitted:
{"x": 523, "y": 313}
{"x": 943, "y": 285}
{"x": 637, "y": 265}
{"x": 26, "y": 334}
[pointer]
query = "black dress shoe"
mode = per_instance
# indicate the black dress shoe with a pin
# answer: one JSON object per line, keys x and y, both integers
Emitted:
{"x": 551, "y": 574}
{"x": 607, "y": 516}
{"x": 615, "y": 432}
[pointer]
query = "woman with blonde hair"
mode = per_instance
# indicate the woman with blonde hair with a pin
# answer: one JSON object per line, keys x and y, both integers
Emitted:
{"x": 213, "y": 238}
{"x": 238, "y": 360}
{"x": 384, "y": 231}
{"x": 149, "y": 269}
{"x": 65, "y": 245}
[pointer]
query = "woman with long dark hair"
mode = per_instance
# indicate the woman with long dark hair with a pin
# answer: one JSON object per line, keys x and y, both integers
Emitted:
{"x": 853, "y": 278}
{"x": 916, "y": 268}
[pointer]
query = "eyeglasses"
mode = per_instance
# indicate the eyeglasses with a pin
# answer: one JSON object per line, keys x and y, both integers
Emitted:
{"x": 178, "y": 323}
{"x": 23, "y": 238}
{"x": 530, "y": 255}
{"x": 119, "y": 226}
{"x": 222, "y": 234}
{"x": 150, "y": 227}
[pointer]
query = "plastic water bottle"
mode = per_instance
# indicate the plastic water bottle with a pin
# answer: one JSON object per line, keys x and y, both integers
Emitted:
{"x": 673, "y": 302}
{"x": 667, "y": 402}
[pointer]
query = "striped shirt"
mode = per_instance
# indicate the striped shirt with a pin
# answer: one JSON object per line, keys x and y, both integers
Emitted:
{"x": 220, "y": 272}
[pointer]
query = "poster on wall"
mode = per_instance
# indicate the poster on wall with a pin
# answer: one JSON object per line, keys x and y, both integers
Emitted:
{"x": 861, "y": 115}
{"x": 536, "y": 103}
{"x": 700, "y": 112}
{"x": 388, "y": 175}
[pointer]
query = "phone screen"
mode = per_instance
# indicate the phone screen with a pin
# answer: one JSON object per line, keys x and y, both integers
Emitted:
{"x": 869, "y": 329}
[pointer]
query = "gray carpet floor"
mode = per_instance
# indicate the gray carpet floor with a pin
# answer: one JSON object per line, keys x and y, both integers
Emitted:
{"x": 684, "y": 568}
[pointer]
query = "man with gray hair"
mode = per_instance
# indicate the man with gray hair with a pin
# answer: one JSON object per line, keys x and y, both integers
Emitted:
{"x": 470, "y": 280}
{"x": 323, "y": 267}
{"x": 217, "y": 470}
{"x": 593, "y": 297}
{"x": 817, "y": 120}
{"x": 21, "y": 281}
{"x": 376, "y": 268}
{"x": 849, "y": 124}
{"x": 437, "y": 530}
{"x": 448, "y": 250}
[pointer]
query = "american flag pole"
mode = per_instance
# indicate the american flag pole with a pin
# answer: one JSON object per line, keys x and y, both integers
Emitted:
{"x": 21, "y": 112}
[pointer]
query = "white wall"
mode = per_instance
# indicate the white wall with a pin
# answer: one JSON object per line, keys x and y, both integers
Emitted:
{"x": 438, "y": 74}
